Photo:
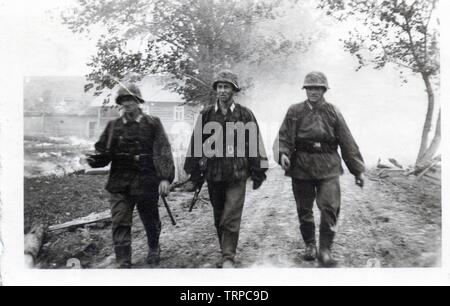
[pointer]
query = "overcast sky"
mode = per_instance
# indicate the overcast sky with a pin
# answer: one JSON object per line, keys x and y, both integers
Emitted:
{"x": 39, "y": 44}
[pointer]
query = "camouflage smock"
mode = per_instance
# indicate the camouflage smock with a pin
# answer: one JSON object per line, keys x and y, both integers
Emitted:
{"x": 145, "y": 137}
{"x": 324, "y": 126}
{"x": 228, "y": 168}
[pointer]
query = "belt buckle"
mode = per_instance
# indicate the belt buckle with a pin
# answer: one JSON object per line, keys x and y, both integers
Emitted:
{"x": 317, "y": 146}
{"x": 137, "y": 158}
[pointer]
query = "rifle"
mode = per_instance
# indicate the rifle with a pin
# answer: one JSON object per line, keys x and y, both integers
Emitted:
{"x": 202, "y": 167}
{"x": 196, "y": 195}
{"x": 168, "y": 210}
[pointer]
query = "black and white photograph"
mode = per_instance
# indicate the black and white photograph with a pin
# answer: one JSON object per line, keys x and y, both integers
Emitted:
{"x": 223, "y": 137}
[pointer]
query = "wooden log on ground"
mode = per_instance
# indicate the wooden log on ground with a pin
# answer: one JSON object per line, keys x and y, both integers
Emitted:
{"x": 433, "y": 164}
{"x": 374, "y": 179}
{"x": 385, "y": 173}
{"x": 426, "y": 166}
{"x": 33, "y": 243}
{"x": 79, "y": 172}
{"x": 97, "y": 172}
{"x": 380, "y": 165}
{"x": 395, "y": 163}
{"x": 383, "y": 166}
{"x": 92, "y": 218}
{"x": 392, "y": 170}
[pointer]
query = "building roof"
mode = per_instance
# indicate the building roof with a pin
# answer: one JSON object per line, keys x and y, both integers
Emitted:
{"x": 152, "y": 88}
{"x": 66, "y": 95}
{"x": 55, "y": 94}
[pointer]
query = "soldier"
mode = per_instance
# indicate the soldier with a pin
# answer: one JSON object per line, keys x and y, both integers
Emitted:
{"x": 226, "y": 171}
{"x": 142, "y": 168}
{"x": 306, "y": 148}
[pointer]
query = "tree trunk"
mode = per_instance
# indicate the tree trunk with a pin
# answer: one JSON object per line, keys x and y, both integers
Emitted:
{"x": 435, "y": 143}
{"x": 428, "y": 120}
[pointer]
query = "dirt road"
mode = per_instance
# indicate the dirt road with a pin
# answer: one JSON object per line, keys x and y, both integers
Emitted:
{"x": 385, "y": 224}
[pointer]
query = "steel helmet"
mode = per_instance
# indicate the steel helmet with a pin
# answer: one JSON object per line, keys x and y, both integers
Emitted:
{"x": 227, "y": 76}
{"x": 129, "y": 90}
{"x": 316, "y": 79}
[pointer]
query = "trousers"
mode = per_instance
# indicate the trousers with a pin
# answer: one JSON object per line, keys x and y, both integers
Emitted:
{"x": 327, "y": 194}
{"x": 122, "y": 208}
{"x": 227, "y": 199}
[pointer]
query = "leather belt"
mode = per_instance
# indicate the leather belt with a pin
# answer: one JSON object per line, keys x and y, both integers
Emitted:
{"x": 314, "y": 147}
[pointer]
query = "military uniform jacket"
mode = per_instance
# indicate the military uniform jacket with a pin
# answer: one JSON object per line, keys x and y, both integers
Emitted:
{"x": 140, "y": 152}
{"x": 310, "y": 137}
{"x": 231, "y": 166}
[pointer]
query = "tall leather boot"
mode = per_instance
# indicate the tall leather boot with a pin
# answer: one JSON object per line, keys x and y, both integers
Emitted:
{"x": 309, "y": 237}
{"x": 325, "y": 256}
{"x": 154, "y": 256}
{"x": 310, "y": 253}
{"x": 123, "y": 256}
{"x": 154, "y": 249}
{"x": 153, "y": 233}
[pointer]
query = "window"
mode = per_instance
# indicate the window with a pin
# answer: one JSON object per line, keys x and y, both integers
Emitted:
{"x": 179, "y": 113}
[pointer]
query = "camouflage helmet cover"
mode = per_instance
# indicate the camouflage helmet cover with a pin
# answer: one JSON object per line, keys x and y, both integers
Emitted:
{"x": 129, "y": 90}
{"x": 227, "y": 76}
{"x": 316, "y": 79}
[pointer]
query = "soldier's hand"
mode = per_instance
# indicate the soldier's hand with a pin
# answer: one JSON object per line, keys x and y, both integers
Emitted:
{"x": 285, "y": 162}
{"x": 257, "y": 184}
{"x": 360, "y": 180}
{"x": 164, "y": 188}
{"x": 88, "y": 160}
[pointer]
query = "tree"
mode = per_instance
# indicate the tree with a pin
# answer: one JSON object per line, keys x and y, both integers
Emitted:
{"x": 189, "y": 40}
{"x": 401, "y": 32}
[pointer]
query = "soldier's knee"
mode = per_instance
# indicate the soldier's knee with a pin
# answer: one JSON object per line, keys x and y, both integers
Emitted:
{"x": 232, "y": 225}
{"x": 330, "y": 212}
{"x": 302, "y": 211}
{"x": 121, "y": 220}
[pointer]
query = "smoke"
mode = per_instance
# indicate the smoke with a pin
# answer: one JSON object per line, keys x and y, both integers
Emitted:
{"x": 54, "y": 156}
{"x": 384, "y": 114}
